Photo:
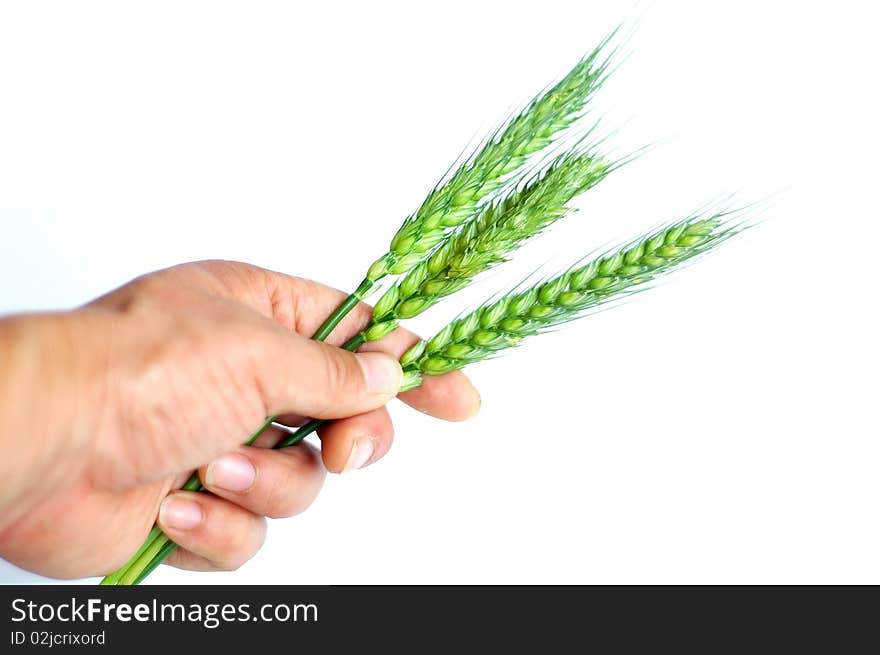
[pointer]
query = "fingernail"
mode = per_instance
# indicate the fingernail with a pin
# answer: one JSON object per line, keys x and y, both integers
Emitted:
{"x": 360, "y": 454}
{"x": 382, "y": 373}
{"x": 179, "y": 513}
{"x": 233, "y": 472}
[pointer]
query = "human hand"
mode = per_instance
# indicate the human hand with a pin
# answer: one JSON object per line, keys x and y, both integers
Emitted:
{"x": 107, "y": 409}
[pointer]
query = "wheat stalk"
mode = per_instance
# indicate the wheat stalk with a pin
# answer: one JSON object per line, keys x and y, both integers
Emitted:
{"x": 504, "y": 323}
{"x": 459, "y": 199}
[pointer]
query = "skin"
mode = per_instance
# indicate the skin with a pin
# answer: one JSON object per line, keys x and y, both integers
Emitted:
{"x": 107, "y": 409}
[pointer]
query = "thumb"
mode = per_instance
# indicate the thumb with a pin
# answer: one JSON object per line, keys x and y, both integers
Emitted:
{"x": 311, "y": 378}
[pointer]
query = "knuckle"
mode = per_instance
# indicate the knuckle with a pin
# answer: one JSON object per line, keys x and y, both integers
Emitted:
{"x": 297, "y": 484}
{"x": 337, "y": 371}
{"x": 242, "y": 546}
{"x": 338, "y": 377}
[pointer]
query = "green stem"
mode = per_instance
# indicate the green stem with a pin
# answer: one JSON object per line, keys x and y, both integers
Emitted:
{"x": 157, "y": 547}
{"x": 301, "y": 433}
{"x": 132, "y": 573}
{"x": 342, "y": 311}
{"x": 160, "y": 557}
{"x": 113, "y": 578}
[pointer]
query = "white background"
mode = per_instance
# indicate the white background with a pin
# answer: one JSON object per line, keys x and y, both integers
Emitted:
{"x": 719, "y": 429}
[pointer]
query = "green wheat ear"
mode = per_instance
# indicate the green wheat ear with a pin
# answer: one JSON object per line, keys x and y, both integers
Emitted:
{"x": 459, "y": 199}
{"x": 504, "y": 323}
{"x": 488, "y": 240}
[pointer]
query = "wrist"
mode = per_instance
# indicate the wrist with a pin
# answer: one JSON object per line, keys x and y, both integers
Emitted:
{"x": 45, "y": 389}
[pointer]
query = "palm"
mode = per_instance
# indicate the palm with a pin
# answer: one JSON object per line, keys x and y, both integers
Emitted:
{"x": 99, "y": 529}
